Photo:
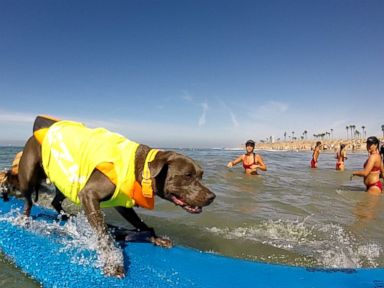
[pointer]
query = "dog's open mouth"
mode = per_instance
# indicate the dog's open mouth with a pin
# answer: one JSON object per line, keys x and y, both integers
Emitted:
{"x": 191, "y": 209}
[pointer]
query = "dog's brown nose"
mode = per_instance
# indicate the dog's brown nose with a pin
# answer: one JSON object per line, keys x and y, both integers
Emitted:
{"x": 210, "y": 197}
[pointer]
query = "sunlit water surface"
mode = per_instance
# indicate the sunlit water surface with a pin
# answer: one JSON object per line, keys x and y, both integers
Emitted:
{"x": 290, "y": 214}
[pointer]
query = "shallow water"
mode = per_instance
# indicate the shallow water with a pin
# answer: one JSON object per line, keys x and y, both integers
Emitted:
{"x": 290, "y": 214}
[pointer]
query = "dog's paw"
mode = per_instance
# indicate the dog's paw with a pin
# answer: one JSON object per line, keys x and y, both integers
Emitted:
{"x": 162, "y": 242}
{"x": 114, "y": 270}
{"x": 64, "y": 216}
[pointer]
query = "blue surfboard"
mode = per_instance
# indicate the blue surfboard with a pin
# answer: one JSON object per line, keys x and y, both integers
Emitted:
{"x": 44, "y": 257}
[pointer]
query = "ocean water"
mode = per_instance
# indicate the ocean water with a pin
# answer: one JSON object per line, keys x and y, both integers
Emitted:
{"x": 290, "y": 214}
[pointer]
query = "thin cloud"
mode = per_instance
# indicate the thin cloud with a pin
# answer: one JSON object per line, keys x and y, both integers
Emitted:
{"x": 186, "y": 96}
{"x": 234, "y": 119}
{"x": 231, "y": 114}
{"x": 202, "y": 119}
{"x": 267, "y": 112}
{"x": 16, "y": 117}
{"x": 273, "y": 107}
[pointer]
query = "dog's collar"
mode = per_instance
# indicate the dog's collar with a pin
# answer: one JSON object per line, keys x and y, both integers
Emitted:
{"x": 146, "y": 182}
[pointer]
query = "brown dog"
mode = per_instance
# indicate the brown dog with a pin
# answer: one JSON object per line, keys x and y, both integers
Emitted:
{"x": 9, "y": 181}
{"x": 173, "y": 177}
{"x": 4, "y": 184}
{"x": 9, "y": 184}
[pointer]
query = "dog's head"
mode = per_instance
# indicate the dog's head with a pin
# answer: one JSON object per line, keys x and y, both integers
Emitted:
{"x": 178, "y": 180}
{"x": 3, "y": 182}
{"x": 9, "y": 183}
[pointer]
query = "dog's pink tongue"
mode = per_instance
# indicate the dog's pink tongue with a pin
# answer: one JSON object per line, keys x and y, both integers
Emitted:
{"x": 177, "y": 201}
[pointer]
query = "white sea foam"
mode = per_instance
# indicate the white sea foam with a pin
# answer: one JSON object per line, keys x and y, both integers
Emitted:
{"x": 329, "y": 244}
{"x": 76, "y": 236}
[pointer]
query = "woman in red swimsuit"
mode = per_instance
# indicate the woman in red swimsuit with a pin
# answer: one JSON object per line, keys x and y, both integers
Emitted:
{"x": 341, "y": 156}
{"x": 315, "y": 154}
{"x": 373, "y": 167}
{"x": 251, "y": 161}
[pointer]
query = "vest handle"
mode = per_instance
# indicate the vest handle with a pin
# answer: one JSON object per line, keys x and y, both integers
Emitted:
{"x": 146, "y": 182}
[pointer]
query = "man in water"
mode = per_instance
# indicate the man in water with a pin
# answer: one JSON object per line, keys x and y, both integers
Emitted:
{"x": 251, "y": 161}
{"x": 315, "y": 155}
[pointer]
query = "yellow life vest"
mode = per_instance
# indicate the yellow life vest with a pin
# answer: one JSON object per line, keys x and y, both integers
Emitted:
{"x": 71, "y": 152}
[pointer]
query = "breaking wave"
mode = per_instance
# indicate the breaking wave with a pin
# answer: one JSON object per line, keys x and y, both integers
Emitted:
{"x": 330, "y": 244}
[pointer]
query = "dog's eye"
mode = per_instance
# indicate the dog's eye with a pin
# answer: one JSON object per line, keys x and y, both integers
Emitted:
{"x": 188, "y": 175}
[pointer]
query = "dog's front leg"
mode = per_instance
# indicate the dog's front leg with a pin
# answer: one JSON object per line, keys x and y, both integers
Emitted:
{"x": 130, "y": 215}
{"x": 57, "y": 201}
{"x": 90, "y": 197}
{"x": 57, "y": 204}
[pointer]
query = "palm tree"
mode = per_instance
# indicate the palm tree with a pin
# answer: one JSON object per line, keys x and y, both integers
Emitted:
{"x": 305, "y": 133}
{"x": 285, "y": 136}
{"x": 331, "y": 133}
{"x": 353, "y": 131}
{"x": 364, "y": 132}
{"x": 347, "y": 127}
{"x": 293, "y": 134}
{"x": 382, "y": 129}
{"x": 357, "y": 134}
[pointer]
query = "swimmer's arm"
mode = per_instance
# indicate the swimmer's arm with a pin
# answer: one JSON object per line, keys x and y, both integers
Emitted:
{"x": 367, "y": 169}
{"x": 316, "y": 154}
{"x": 261, "y": 165}
{"x": 235, "y": 162}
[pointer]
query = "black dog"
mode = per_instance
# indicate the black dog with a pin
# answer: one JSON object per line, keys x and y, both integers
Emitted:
{"x": 176, "y": 178}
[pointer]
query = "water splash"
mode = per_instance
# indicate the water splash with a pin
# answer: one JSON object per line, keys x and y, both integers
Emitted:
{"x": 330, "y": 244}
{"x": 76, "y": 237}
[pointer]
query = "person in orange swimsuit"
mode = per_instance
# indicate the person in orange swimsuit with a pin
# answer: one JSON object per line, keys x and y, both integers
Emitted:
{"x": 251, "y": 161}
{"x": 373, "y": 167}
{"x": 315, "y": 155}
{"x": 341, "y": 156}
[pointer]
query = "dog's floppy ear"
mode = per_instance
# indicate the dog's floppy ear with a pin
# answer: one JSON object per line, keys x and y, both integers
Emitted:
{"x": 157, "y": 164}
{"x": 159, "y": 168}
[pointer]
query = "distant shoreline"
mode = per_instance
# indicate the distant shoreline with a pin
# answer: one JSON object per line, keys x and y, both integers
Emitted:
{"x": 356, "y": 145}
{"x": 330, "y": 145}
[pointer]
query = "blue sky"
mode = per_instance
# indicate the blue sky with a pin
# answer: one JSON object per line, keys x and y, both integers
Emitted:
{"x": 193, "y": 73}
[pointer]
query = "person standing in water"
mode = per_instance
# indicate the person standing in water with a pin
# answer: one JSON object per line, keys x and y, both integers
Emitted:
{"x": 382, "y": 159}
{"x": 251, "y": 161}
{"x": 315, "y": 155}
{"x": 373, "y": 167}
{"x": 341, "y": 156}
